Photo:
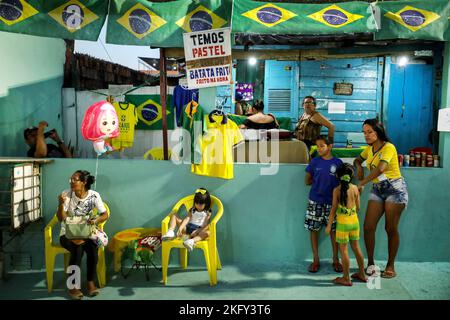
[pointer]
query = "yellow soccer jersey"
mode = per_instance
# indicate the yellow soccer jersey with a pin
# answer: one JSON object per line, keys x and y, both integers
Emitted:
{"x": 217, "y": 148}
{"x": 388, "y": 154}
{"x": 126, "y": 113}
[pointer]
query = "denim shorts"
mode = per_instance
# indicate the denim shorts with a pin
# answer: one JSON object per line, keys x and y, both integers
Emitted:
{"x": 191, "y": 228}
{"x": 390, "y": 190}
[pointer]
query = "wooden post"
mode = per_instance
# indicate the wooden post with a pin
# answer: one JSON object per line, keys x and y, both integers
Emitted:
{"x": 163, "y": 95}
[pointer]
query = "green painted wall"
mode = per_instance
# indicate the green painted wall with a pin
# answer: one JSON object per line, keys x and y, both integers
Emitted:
{"x": 207, "y": 98}
{"x": 263, "y": 219}
{"x": 444, "y": 137}
{"x": 31, "y": 78}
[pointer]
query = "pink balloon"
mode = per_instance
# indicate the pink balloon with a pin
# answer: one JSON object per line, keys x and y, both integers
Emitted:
{"x": 100, "y": 122}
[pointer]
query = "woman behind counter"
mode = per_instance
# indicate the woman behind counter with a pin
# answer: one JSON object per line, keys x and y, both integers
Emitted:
{"x": 311, "y": 122}
{"x": 259, "y": 120}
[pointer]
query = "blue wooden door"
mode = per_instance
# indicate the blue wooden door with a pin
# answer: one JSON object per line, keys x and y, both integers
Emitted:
{"x": 281, "y": 88}
{"x": 409, "y": 106}
{"x": 317, "y": 79}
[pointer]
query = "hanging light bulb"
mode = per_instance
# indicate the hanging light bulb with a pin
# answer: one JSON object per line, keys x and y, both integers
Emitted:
{"x": 252, "y": 61}
{"x": 402, "y": 61}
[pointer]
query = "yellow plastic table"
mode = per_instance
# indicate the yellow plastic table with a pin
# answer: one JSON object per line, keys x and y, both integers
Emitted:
{"x": 121, "y": 239}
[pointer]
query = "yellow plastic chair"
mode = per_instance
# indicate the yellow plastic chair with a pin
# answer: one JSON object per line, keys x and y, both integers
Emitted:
{"x": 52, "y": 250}
{"x": 157, "y": 154}
{"x": 209, "y": 245}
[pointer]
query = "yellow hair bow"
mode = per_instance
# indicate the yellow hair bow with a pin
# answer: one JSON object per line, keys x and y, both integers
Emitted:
{"x": 202, "y": 191}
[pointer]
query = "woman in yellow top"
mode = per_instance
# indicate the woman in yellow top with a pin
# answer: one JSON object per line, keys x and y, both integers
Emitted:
{"x": 389, "y": 193}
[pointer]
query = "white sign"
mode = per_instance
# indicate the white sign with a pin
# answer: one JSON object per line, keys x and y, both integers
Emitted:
{"x": 208, "y": 58}
{"x": 336, "y": 107}
{"x": 444, "y": 120}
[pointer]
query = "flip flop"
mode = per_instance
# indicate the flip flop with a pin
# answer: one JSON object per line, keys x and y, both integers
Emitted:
{"x": 314, "y": 267}
{"x": 341, "y": 281}
{"x": 358, "y": 278}
{"x": 337, "y": 266}
{"x": 76, "y": 295}
{"x": 388, "y": 274}
{"x": 93, "y": 293}
{"x": 373, "y": 271}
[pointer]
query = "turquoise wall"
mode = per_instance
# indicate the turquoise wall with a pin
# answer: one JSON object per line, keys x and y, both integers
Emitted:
{"x": 263, "y": 219}
{"x": 31, "y": 78}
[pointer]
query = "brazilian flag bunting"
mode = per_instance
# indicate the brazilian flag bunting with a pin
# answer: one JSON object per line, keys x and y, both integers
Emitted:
{"x": 300, "y": 18}
{"x": 423, "y": 19}
{"x": 67, "y": 19}
{"x": 162, "y": 24}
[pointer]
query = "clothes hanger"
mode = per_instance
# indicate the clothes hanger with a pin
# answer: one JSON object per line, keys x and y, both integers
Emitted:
{"x": 218, "y": 111}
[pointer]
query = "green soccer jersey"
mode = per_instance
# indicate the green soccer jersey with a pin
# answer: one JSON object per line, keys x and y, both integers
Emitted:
{"x": 192, "y": 120}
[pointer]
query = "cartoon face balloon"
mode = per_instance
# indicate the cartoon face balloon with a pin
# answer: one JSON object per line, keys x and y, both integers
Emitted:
{"x": 100, "y": 122}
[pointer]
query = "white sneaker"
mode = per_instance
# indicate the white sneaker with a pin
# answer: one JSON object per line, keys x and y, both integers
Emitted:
{"x": 189, "y": 244}
{"x": 168, "y": 236}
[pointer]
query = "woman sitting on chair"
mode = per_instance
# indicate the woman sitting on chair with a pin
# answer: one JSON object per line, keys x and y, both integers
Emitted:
{"x": 259, "y": 120}
{"x": 81, "y": 201}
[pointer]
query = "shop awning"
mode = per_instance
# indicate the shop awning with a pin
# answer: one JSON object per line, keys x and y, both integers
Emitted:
{"x": 161, "y": 24}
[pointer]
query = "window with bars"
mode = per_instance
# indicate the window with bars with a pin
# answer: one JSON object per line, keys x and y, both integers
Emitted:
{"x": 279, "y": 100}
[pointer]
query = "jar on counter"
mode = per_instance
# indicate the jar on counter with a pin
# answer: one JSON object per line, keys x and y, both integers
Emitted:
{"x": 400, "y": 160}
{"x": 436, "y": 161}
{"x": 430, "y": 161}
{"x": 412, "y": 160}
{"x": 406, "y": 160}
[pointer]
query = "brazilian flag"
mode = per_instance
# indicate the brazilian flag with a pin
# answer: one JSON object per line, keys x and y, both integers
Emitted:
{"x": 334, "y": 16}
{"x": 162, "y": 24}
{"x": 199, "y": 19}
{"x": 422, "y": 19}
{"x": 149, "y": 111}
{"x": 301, "y": 18}
{"x": 67, "y": 19}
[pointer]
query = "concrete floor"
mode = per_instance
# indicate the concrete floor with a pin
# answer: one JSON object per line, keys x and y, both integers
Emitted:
{"x": 425, "y": 280}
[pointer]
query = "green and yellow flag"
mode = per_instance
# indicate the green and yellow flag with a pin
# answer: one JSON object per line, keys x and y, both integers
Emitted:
{"x": 301, "y": 18}
{"x": 419, "y": 19}
{"x": 149, "y": 111}
{"x": 67, "y": 19}
{"x": 162, "y": 24}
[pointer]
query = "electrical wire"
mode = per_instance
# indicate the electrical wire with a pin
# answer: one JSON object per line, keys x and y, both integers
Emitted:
{"x": 403, "y": 92}
{"x": 104, "y": 47}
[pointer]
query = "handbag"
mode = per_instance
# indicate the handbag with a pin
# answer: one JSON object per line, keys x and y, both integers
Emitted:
{"x": 78, "y": 228}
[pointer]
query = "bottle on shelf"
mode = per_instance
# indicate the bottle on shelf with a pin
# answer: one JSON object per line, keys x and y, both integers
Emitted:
{"x": 349, "y": 143}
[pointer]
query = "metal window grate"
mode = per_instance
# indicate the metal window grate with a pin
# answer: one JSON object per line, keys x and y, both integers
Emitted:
{"x": 279, "y": 100}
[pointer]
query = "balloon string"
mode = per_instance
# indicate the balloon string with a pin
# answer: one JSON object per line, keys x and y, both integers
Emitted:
{"x": 96, "y": 171}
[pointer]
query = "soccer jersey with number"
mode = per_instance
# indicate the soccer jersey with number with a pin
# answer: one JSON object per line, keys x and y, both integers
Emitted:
{"x": 126, "y": 113}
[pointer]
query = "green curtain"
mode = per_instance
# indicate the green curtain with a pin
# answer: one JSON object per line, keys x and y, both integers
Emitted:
{"x": 140, "y": 22}
{"x": 73, "y": 19}
{"x": 299, "y": 18}
{"x": 149, "y": 111}
{"x": 422, "y": 19}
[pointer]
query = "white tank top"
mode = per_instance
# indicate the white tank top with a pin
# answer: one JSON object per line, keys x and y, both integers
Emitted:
{"x": 198, "y": 217}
